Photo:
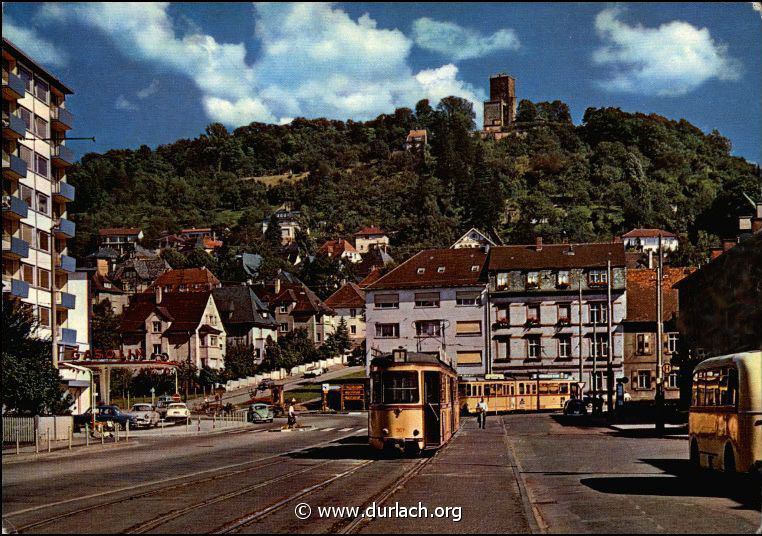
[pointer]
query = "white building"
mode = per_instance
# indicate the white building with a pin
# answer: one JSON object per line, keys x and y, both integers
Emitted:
{"x": 434, "y": 301}
{"x": 648, "y": 240}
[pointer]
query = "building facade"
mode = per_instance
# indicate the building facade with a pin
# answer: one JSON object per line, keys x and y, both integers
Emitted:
{"x": 349, "y": 304}
{"x": 500, "y": 109}
{"x": 246, "y": 319}
{"x": 288, "y": 221}
{"x": 120, "y": 239}
{"x": 367, "y": 237}
{"x": 648, "y": 240}
{"x": 536, "y": 315}
{"x": 433, "y": 302}
{"x": 36, "y": 230}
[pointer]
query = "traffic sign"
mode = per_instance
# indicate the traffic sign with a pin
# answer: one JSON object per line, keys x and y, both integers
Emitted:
{"x": 667, "y": 368}
{"x": 326, "y": 387}
{"x": 581, "y": 385}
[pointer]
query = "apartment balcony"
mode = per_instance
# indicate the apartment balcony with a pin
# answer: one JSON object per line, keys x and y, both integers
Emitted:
{"x": 67, "y": 336}
{"x": 13, "y": 87}
{"x": 63, "y": 192}
{"x": 64, "y": 300}
{"x": 13, "y": 127}
{"x": 14, "y": 168}
{"x": 15, "y": 287}
{"x": 66, "y": 264}
{"x": 60, "y": 118}
{"x": 65, "y": 228}
{"x": 14, "y": 208}
{"x": 61, "y": 156}
{"x": 15, "y": 248}
{"x": 501, "y": 324}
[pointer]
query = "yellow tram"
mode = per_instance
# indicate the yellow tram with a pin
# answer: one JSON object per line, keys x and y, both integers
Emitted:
{"x": 515, "y": 395}
{"x": 413, "y": 402}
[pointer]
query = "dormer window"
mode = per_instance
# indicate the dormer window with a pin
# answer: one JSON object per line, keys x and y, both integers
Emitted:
{"x": 502, "y": 280}
{"x": 533, "y": 279}
{"x": 284, "y": 309}
{"x": 440, "y": 270}
{"x": 157, "y": 326}
{"x": 598, "y": 278}
{"x": 563, "y": 278}
{"x": 475, "y": 268}
{"x": 421, "y": 271}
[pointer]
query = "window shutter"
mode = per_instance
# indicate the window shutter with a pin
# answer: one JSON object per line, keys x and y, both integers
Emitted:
{"x": 468, "y": 328}
{"x": 469, "y": 358}
{"x": 386, "y": 298}
{"x": 427, "y": 296}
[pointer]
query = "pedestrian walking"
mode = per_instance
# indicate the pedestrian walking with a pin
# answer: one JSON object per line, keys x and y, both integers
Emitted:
{"x": 481, "y": 411}
{"x": 291, "y": 414}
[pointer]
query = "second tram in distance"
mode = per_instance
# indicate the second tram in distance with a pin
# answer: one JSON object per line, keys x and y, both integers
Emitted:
{"x": 413, "y": 402}
{"x": 515, "y": 395}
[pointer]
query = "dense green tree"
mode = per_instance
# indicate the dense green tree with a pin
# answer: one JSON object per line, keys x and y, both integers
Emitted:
{"x": 104, "y": 327}
{"x": 239, "y": 361}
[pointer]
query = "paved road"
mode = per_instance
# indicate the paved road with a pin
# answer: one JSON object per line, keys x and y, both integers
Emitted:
{"x": 524, "y": 473}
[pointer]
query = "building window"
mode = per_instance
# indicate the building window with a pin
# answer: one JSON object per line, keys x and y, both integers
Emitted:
{"x": 533, "y": 279}
{"x": 27, "y": 273}
{"x": 40, "y": 165}
{"x": 284, "y": 327}
{"x": 564, "y": 313}
{"x": 467, "y": 298}
{"x": 388, "y": 331}
{"x": 41, "y": 90}
{"x": 600, "y": 345}
{"x": 43, "y": 278}
{"x": 534, "y": 347}
{"x": 157, "y": 326}
{"x": 43, "y": 241}
{"x": 212, "y": 340}
{"x": 428, "y": 328}
{"x": 643, "y": 344}
{"x": 468, "y": 328}
{"x": 469, "y": 358}
{"x": 503, "y": 350}
{"x": 533, "y": 313}
{"x": 318, "y": 337}
{"x": 27, "y": 77}
{"x": 40, "y": 127}
{"x": 598, "y": 312}
{"x": 284, "y": 309}
{"x": 353, "y": 330}
{"x": 43, "y": 204}
{"x": 440, "y": 269}
{"x": 28, "y": 234}
{"x": 387, "y": 301}
{"x": 157, "y": 348}
{"x": 672, "y": 341}
{"x": 644, "y": 379}
{"x": 427, "y": 299}
{"x": 598, "y": 381}
{"x": 352, "y": 313}
{"x": 672, "y": 380}
{"x": 502, "y": 280}
{"x": 598, "y": 278}
{"x": 26, "y": 117}
{"x": 564, "y": 346}
{"x": 563, "y": 278}
{"x": 43, "y": 315}
{"x": 27, "y": 196}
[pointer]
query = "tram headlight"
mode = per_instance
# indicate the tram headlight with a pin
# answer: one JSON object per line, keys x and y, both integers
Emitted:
{"x": 415, "y": 433}
{"x": 385, "y": 431}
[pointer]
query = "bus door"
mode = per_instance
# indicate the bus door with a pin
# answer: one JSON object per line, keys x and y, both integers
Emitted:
{"x": 432, "y": 408}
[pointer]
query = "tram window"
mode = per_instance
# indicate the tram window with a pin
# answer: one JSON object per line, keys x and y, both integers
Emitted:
{"x": 487, "y": 390}
{"x": 563, "y": 388}
{"x": 499, "y": 389}
{"x": 463, "y": 389}
{"x": 534, "y": 388}
{"x": 521, "y": 388}
{"x": 375, "y": 388}
{"x": 543, "y": 388}
{"x": 400, "y": 387}
{"x": 553, "y": 388}
{"x": 513, "y": 389}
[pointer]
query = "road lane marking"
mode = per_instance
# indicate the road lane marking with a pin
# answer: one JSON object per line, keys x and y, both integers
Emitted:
{"x": 169, "y": 479}
{"x": 326, "y": 429}
{"x": 345, "y": 429}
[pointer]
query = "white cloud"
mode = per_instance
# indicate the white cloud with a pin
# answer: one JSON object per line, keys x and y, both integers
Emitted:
{"x": 123, "y": 104}
{"x": 27, "y": 39}
{"x": 314, "y": 61}
{"x": 673, "y": 59}
{"x": 757, "y": 6}
{"x": 146, "y": 92}
{"x": 459, "y": 43}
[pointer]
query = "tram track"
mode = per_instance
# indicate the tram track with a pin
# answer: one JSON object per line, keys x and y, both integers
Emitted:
{"x": 256, "y": 465}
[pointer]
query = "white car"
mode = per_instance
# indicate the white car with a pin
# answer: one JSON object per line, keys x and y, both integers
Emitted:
{"x": 314, "y": 372}
{"x": 145, "y": 414}
{"x": 177, "y": 411}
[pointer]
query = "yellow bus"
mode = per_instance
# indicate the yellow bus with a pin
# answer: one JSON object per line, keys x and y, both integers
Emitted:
{"x": 725, "y": 420}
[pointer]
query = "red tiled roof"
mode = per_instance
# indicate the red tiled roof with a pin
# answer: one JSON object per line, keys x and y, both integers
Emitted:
{"x": 202, "y": 230}
{"x": 648, "y": 233}
{"x": 462, "y": 267}
{"x": 186, "y": 309}
{"x": 187, "y": 277}
{"x": 369, "y": 231}
{"x": 555, "y": 256}
{"x": 119, "y": 231}
{"x": 348, "y": 296}
{"x": 641, "y": 293}
{"x": 336, "y": 247}
{"x": 306, "y": 301}
{"x": 417, "y": 133}
{"x": 372, "y": 277}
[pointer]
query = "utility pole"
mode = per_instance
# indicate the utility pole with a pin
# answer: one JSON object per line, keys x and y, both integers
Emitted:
{"x": 594, "y": 353}
{"x": 610, "y": 341}
{"x": 579, "y": 325}
{"x": 659, "y": 353}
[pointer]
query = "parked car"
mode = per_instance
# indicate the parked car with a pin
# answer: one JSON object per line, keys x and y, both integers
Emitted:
{"x": 575, "y": 407}
{"x": 260, "y": 413}
{"x": 162, "y": 404}
{"x": 314, "y": 372}
{"x": 83, "y": 419}
{"x": 177, "y": 411}
{"x": 115, "y": 415}
{"x": 265, "y": 384}
{"x": 146, "y": 415}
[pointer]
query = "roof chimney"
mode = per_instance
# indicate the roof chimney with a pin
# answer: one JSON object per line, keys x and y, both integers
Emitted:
{"x": 538, "y": 243}
{"x": 277, "y": 286}
{"x": 650, "y": 259}
{"x": 159, "y": 294}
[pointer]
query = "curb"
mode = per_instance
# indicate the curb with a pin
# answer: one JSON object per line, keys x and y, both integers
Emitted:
{"x": 13, "y": 459}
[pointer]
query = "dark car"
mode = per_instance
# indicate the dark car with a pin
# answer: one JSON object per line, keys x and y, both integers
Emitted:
{"x": 115, "y": 415}
{"x": 575, "y": 407}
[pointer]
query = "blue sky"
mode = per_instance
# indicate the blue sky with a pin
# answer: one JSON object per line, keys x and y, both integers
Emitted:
{"x": 154, "y": 73}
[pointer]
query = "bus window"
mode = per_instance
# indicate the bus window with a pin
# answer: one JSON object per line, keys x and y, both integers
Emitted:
{"x": 712, "y": 386}
{"x": 521, "y": 388}
{"x": 733, "y": 386}
{"x": 400, "y": 387}
{"x": 564, "y": 388}
{"x": 698, "y": 384}
{"x": 543, "y": 388}
{"x": 553, "y": 388}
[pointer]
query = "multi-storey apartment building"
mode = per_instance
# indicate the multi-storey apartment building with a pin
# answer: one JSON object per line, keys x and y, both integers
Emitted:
{"x": 36, "y": 264}
{"x": 433, "y": 302}
{"x": 535, "y": 321}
